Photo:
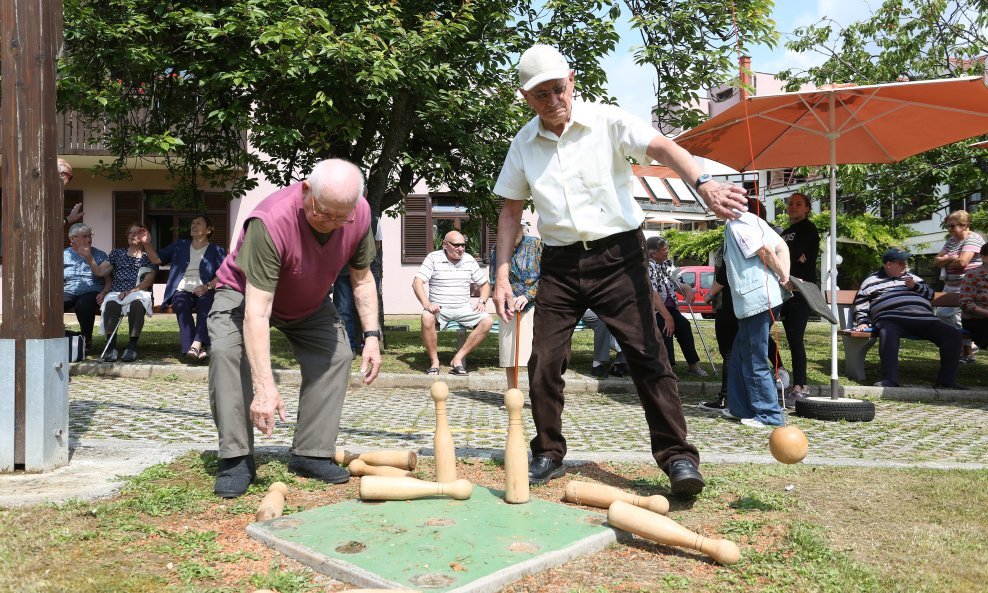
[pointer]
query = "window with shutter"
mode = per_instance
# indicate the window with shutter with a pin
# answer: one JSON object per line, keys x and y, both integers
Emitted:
{"x": 416, "y": 229}
{"x": 168, "y": 223}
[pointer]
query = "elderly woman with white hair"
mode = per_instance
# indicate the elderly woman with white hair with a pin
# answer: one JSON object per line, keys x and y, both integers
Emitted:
{"x": 87, "y": 278}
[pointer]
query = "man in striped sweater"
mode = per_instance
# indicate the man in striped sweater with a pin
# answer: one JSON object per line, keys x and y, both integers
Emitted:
{"x": 897, "y": 304}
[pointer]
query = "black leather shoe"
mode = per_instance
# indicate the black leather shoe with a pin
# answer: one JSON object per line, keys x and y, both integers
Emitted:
{"x": 685, "y": 478}
{"x": 542, "y": 469}
{"x": 234, "y": 475}
{"x": 319, "y": 468}
{"x": 599, "y": 371}
{"x": 618, "y": 369}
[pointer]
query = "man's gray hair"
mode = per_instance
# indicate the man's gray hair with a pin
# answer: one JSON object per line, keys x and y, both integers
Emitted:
{"x": 79, "y": 228}
{"x": 325, "y": 179}
{"x": 655, "y": 243}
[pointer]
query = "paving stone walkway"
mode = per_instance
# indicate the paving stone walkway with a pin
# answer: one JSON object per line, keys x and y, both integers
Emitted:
{"x": 597, "y": 425}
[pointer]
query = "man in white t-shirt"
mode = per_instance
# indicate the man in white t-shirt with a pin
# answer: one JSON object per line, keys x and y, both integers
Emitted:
{"x": 757, "y": 261}
{"x": 571, "y": 161}
{"x": 449, "y": 273}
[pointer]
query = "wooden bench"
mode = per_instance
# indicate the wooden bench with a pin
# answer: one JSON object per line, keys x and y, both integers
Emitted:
{"x": 858, "y": 343}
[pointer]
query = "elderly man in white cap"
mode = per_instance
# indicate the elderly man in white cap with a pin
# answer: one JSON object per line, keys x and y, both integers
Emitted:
{"x": 571, "y": 160}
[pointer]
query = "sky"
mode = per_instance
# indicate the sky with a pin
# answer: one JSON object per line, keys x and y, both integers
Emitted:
{"x": 634, "y": 87}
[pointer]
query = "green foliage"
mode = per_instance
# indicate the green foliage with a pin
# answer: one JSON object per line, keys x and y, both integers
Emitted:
{"x": 412, "y": 91}
{"x": 696, "y": 41}
{"x": 916, "y": 40}
{"x": 864, "y": 238}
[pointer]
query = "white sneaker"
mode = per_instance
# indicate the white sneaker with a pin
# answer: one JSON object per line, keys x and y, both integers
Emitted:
{"x": 697, "y": 372}
{"x": 752, "y": 423}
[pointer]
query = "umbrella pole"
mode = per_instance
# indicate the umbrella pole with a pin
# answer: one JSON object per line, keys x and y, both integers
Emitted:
{"x": 834, "y": 387}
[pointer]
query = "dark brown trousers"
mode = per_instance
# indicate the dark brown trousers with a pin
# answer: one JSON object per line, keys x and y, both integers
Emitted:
{"x": 610, "y": 277}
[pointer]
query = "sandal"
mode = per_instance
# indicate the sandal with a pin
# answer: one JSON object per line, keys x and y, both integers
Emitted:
{"x": 203, "y": 354}
{"x": 193, "y": 354}
{"x": 432, "y": 371}
{"x": 458, "y": 370}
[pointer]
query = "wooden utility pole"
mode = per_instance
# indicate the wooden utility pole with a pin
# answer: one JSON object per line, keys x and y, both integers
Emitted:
{"x": 33, "y": 350}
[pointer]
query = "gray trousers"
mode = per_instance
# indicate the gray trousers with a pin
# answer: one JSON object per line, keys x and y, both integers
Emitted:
{"x": 603, "y": 341}
{"x": 320, "y": 345}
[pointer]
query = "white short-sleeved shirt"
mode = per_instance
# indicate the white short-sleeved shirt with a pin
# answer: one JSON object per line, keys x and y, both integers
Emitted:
{"x": 581, "y": 180}
{"x": 449, "y": 283}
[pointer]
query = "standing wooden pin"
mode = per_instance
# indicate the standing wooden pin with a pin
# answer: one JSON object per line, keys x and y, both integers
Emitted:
{"x": 515, "y": 454}
{"x": 443, "y": 442}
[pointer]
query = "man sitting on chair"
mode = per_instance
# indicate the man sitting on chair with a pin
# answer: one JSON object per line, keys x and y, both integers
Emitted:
{"x": 449, "y": 272}
{"x": 897, "y": 304}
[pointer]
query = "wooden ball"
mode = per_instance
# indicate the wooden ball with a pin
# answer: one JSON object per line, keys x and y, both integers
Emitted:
{"x": 788, "y": 444}
{"x": 440, "y": 391}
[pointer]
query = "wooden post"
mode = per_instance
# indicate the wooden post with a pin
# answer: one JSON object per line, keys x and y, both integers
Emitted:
{"x": 31, "y": 33}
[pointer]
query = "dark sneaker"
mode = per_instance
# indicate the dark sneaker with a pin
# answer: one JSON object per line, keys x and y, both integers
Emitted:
{"x": 110, "y": 356}
{"x": 886, "y": 383}
{"x": 234, "y": 475}
{"x": 716, "y": 405}
{"x": 618, "y": 369}
{"x": 542, "y": 469}
{"x": 685, "y": 479}
{"x": 129, "y": 355}
{"x": 789, "y": 400}
{"x": 318, "y": 468}
{"x": 599, "y": 371}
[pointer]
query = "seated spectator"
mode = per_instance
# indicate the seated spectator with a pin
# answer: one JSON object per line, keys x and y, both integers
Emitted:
{"x": 191, "y": 282}
{"x": 603, "y": 342}
{"x": 130, "y": 294}
{"x": 449, "y": 273}
{"x": 523, "y": 274}
{"x": 896, "y": 304}
{"x": 87, "y": 278}
{"x": 670, "y": 321}
{"x": 974, "y": 302}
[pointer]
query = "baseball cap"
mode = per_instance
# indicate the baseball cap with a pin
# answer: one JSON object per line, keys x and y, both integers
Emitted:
{"x": 540, "y": 63}
{"x": 895, "y": 254}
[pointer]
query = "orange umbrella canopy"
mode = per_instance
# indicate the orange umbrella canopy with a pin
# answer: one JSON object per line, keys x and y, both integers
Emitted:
{"x": 868, "y": 124}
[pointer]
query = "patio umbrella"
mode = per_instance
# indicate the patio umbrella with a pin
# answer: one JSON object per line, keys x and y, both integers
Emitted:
{"x": 842, "y": 124}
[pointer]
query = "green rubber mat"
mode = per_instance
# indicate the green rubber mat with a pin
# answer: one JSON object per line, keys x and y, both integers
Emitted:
{"x": 436, "y": 544}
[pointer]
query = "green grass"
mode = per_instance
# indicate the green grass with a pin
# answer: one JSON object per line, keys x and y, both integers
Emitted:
{"x": 862, "y": 530}
{"x": 918, "y": 360}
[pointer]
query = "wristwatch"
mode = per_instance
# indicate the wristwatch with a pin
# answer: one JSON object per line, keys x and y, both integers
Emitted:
{"x": 372, "y": 334}
{"x": 703, "y": 178}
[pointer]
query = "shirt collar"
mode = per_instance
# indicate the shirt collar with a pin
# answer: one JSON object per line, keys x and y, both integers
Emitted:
{"x": 580, "y": 115}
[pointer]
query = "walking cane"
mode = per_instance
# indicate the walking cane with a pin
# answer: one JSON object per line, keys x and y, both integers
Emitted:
{"x": 702, "y": 341}
{"x": 112, "y": 335}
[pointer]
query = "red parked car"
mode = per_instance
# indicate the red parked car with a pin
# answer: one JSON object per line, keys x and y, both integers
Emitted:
{"x": 700, "y": 279}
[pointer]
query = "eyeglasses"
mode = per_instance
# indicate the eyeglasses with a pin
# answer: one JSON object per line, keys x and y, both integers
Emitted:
{"x": 557, "y": 90}
{"x": 82, "y": 236}
{"x": 65, "y": 175}
{"x": 954, "y": 226}
{"x": 327, "y": 217}
{"x": 456, "y": 245}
